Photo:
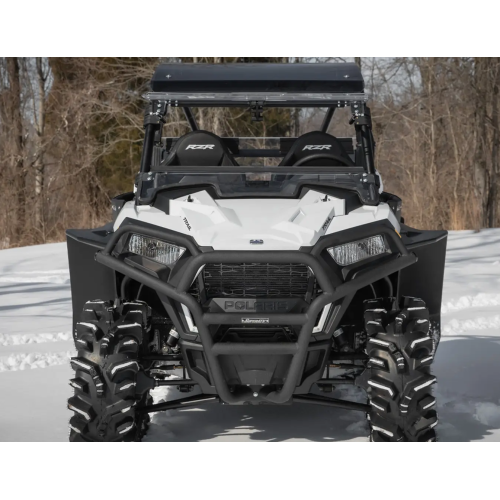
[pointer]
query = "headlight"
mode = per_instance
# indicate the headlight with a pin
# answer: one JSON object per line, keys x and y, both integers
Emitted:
{"x": 164, "y": 253}
{"x": 355, "y": 251}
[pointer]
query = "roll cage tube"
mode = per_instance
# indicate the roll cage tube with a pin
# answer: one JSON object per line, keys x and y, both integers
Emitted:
{"x": 327, "y": 119}
{"x": 361, "y": 118}
{"x": 154, "y": 118}
{"x": 190, "y": 118}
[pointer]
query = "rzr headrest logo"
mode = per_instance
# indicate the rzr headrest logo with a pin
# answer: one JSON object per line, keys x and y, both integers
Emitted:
{"x": 200, "y": 146}
{"x": 312, "y": 147}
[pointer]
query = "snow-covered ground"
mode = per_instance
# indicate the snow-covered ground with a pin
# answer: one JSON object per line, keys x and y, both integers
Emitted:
{"x": 35, "y": 343}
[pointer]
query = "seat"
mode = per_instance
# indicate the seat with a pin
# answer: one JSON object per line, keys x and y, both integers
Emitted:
{"x": 315, "y": 144}
{"x": 199, "y": 149}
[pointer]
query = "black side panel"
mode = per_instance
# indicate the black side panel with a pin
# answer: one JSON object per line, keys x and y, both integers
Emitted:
{"x": 424, "y": 279}
{"x": 118, "y": 202}
{"x": 394, "y": 203}
{"x": 89, "y": 279}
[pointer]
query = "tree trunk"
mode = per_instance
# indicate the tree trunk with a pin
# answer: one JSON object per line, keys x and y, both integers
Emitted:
{"x": 487, "y": 167}
{"x": 39, "y": 163}
{"x": 495, "y": 167}
{"x": 18, "y": 153}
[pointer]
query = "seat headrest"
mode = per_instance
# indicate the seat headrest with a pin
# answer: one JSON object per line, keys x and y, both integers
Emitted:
{"x": 199, "y": 149}
{"x": 314, "y": 143}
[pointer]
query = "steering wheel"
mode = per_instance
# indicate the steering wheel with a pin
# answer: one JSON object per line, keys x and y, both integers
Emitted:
{"x": 322, "y": 156}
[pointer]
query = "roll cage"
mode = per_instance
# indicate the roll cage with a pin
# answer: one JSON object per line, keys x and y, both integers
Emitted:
{"x": 256, "y": 87}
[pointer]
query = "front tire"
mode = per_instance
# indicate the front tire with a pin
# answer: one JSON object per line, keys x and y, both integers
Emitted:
{"x": 109, "y": 340}
{"x": 398, "y": 377}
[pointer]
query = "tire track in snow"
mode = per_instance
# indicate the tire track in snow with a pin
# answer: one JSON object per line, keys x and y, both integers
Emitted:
{"x": 455, "y": 326}
{"x": 57, "y": 276}
{"x": 24, "y": 361}
{"x": 468, "y": 301}
{"x": 33, "y": 338}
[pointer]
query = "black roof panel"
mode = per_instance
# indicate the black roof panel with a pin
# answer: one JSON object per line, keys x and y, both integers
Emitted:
{"x": 307, "y": 78}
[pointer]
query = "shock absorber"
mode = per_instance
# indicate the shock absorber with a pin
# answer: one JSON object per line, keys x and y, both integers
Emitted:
{"x": 172, "y": 338}
{"x": 341, "y": 339}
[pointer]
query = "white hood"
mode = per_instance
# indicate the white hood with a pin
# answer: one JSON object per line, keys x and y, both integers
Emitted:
{"x": 281, "y": 224}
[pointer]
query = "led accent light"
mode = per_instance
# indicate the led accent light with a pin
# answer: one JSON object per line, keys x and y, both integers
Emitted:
{"x": 159, "y": 251}
{"x": 355, "y": 251}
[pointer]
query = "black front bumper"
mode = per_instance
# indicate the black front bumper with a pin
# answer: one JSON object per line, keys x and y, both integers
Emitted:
{"x": 297, "y": 351}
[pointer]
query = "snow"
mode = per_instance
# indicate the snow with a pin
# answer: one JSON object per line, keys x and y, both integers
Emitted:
{"x": 35, "y": 344}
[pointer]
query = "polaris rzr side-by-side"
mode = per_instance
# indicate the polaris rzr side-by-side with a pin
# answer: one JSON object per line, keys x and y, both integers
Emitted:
{"x": 255, "y": 284}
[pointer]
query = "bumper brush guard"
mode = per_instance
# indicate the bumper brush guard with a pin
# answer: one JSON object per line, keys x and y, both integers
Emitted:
{"x": 399, "y": 260}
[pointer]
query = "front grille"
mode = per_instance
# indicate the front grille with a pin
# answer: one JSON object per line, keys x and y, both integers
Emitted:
{"x": 258, "y": 280}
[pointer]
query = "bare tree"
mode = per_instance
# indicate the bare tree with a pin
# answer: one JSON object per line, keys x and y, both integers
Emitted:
{"x": 14, "y": 119}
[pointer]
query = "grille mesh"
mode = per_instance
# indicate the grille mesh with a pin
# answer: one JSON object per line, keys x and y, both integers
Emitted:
{"x": 257, "y": 280}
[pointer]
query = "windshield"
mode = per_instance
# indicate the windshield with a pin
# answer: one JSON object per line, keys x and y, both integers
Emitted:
{"x": 255, "y": 182}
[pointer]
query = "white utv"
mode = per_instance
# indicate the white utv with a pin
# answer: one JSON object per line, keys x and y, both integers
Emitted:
{"x": 265, "y": 285}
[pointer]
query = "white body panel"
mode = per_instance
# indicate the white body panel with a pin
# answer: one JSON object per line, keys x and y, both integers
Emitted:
{"x": 282, "y": 224}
